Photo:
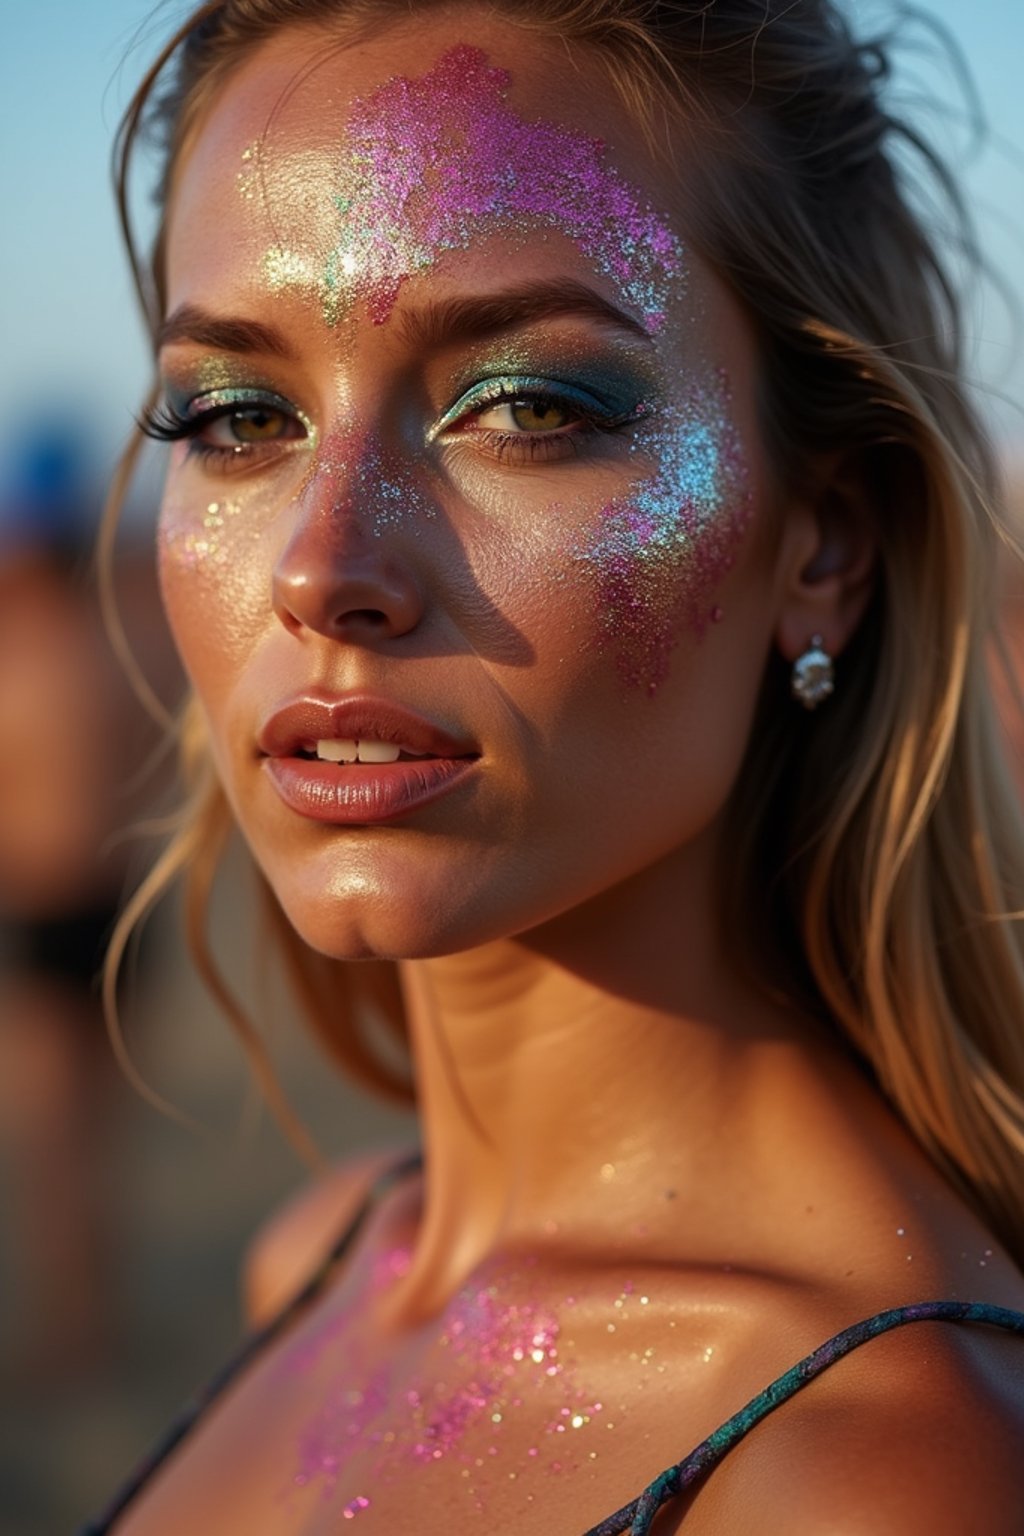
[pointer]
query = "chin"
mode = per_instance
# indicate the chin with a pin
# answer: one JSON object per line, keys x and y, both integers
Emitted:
{"x": 388, "y": 898}
{"x": 372, "y": 925}
{"x": 344, "y": 938}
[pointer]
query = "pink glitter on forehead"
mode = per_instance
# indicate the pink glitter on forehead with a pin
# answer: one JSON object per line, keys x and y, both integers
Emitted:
{"x": 430, "y": 165}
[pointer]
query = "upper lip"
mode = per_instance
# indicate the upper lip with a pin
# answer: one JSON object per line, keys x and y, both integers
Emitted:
{"x": 301, "y": 723}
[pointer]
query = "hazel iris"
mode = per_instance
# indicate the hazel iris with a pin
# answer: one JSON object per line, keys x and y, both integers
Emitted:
{"x": 257, "y": 424}
{"x": 538, "y": 415}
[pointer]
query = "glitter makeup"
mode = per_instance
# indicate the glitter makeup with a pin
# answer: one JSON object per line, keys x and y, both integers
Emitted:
{"x": 190, "y": 542}
{"x": 219, "y": 420}
{"x": 492, "y": 1356}
{"x": 216, "y": 516}
{"x": 655, "y": 497}
{"x": 622, "y": 374}
{"x": 377, "y": 481}
{"x": 495, "y": 390}
{"x": 247, "y": 420}
{"x": 434, "y": 164}
{"x": 208, "y": 551}
{"x": 659, "y": 552}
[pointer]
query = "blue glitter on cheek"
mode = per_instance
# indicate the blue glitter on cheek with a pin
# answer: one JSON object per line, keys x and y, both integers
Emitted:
{"x": 659, "y": 552}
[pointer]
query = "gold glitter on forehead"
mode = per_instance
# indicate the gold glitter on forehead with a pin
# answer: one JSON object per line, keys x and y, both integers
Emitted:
{"x": 284, "y": 269}
{"x": 248, "y": 179}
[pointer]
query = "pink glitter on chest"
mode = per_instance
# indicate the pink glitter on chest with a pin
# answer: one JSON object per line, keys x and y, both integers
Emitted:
{"x": 434, "y": 164}
{"x": 492, "y": 1357}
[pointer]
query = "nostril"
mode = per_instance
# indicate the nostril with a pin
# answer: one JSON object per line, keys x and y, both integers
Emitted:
{"x": 362, "y": 618}
{"x": 320, "y": 584}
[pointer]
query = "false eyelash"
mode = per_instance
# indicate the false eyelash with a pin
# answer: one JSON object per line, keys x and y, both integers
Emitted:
{"x": 166, "y": 425}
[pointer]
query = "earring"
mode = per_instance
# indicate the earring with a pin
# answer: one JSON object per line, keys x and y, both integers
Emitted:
{"x": 813, "y": 677}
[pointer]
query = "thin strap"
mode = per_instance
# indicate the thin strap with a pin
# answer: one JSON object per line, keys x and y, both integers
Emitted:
{"x": 636, "y": 1517}
{"x": 251, "y": 1346}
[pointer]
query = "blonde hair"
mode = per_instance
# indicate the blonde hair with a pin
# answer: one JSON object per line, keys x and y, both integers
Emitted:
{"x": 881, "y": 836}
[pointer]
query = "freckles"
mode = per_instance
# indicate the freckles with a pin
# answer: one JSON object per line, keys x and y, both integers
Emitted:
{"x": 657, "y": 554}
{"x": 431, "y": 165}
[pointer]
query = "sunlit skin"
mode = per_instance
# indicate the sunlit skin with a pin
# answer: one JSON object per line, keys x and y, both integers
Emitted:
{"x": 610, "y": 1110}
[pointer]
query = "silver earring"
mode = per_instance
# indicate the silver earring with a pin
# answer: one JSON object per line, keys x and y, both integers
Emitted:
{"x": 814, "y": 676}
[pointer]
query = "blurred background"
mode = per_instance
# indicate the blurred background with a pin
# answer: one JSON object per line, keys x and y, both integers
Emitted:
{"x": 121, "y": 1231}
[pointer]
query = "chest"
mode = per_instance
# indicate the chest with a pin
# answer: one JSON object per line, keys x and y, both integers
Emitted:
{"x": 512, "y": 1412}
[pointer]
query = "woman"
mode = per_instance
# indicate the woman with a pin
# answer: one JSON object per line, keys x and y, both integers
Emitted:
{"x": 564, "y": 403}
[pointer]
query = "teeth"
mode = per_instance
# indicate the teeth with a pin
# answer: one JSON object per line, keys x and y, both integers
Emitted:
{"x": 378, "y": 752}
{"x": 357, "y": 751}
{"x": 337, "y": 751}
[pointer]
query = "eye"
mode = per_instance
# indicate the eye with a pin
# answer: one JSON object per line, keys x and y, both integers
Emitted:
{"x": 535, "y": 407}
{"x": 230, "y": 429}
{"x": 529, "y": 414}
{"x": 531, "y": 407}
{"x": 246, "y": 426}
{"x": 527, "y": 420}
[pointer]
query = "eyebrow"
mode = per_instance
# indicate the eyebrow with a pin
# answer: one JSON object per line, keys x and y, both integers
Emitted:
{"x": 435, "y": 324}
{"x": 228, "y": 333}
{"x": 442, "y": 321}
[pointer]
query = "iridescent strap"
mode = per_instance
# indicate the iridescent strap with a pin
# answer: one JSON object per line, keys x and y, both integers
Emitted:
{"x": 635, "y": 1518}
{"x": 252, "y": 1346}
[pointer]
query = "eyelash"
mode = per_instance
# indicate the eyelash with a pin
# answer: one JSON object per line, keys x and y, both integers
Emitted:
{"x": 167, "y": 425}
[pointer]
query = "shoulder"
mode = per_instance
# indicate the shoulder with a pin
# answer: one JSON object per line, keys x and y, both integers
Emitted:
{"x": 920, "y": 1431}
{"x": 286, "y": 1249}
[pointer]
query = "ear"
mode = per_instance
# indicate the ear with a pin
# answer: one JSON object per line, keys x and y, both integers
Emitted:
{"x": 827, "y": 570}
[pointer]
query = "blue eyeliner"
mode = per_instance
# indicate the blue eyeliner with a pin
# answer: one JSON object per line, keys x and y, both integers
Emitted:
{"x": 603, "y": 412}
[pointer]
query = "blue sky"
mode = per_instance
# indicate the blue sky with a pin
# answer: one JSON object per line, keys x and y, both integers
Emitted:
{"x": 70, "y": 336}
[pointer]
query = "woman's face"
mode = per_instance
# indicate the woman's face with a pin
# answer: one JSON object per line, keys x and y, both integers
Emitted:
{"x": 470, "y": 473}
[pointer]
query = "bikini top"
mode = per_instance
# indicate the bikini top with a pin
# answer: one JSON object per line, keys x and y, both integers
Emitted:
{"x": 634, "y": 1518}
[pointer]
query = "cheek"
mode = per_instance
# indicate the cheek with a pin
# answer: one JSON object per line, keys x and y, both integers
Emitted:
{"x": 605, "y": 583}
{"x": 620, "y": 573}
{"x": 654, "y": 557}
{"x": 214, "y": 579}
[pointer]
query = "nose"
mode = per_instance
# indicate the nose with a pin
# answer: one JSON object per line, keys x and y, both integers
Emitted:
{"x": 337, "y": 578}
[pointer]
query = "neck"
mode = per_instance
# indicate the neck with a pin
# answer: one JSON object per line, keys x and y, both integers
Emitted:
{"x": 573, "y": 1078}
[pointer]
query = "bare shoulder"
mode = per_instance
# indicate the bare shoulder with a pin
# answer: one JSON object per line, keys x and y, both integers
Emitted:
{"x": 288, "y": 1246}
{"x": 919, "y": 1431}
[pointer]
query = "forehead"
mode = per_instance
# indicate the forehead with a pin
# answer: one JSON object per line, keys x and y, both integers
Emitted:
{"x": 322, "y": 159}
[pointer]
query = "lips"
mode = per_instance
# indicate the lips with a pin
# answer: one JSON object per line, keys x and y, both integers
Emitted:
{"x": 431, "y": 760}
{"x": 299, "y": 725}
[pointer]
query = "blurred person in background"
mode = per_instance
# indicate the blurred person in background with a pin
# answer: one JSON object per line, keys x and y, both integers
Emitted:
{"x": 71, "y": 737}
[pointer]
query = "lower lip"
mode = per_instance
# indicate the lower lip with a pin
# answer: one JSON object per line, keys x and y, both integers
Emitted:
{"x": 363, "y": 794}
